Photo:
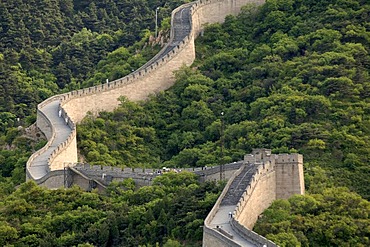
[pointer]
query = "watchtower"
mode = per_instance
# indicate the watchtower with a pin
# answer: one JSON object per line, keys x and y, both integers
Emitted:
{"x": 289, "y": 175}
{"x": 258, "y": 155}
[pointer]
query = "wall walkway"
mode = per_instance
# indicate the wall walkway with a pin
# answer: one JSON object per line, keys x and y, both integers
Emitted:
{"x": 186, "y": 23}
{"x": 252, "y": 189}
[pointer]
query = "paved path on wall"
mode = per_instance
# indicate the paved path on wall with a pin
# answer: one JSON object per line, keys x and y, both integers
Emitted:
{"x": 239, "y": 185}
{"x": 181, "y": 29}
{"x": 222, "y": 220}
{"x": 229, "y": 202}
{"x": 39, "y": 166}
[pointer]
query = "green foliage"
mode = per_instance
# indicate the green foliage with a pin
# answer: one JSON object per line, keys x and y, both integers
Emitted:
{"x": 35, "y": 216}
{"x": 63, "y": 44}
{"x": 336, "y": 216}
{"x": 172, "y": 243}
{"x": 284, "y": 239}
{"x": 291, "y": 75}
{"x": 130, "y": 143}
{"x": 52, "y": 45}
{"x": 289, "y": 90}
{"x": 293, "y": 88}
{"x": 7, "y": 233}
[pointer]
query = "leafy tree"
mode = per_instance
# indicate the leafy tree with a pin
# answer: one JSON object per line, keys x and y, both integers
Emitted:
{"x": 7, "y": 233}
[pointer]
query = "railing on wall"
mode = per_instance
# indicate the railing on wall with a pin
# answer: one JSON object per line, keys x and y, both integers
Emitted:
{"x": 250, "y": 235}
{"x": 72, "y": 135}
{"x": 207, "y": 228}
{"x": 243, "y": 231}
{"x": 43, "y": 149}
{"x": 152, "y": 65}
{"x": 262, "y": 170}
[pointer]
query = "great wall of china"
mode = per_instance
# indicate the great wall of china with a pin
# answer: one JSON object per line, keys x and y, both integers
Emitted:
{"x": 252, "y": 183}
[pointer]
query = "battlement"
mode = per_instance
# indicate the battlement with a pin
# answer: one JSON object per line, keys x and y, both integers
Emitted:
{"x": 264, "y": 178}
{"x": 261, "y": 155}
{"x": 258, "y": 155}
{"x": 289, "y": 158}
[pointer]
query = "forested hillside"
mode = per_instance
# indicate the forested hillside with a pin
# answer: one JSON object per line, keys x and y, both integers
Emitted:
{"x": 292, "y": 76}
{"x": 173, "y": 208}
{"x": 52, "y": 46}
{"x": 47, "y": 45}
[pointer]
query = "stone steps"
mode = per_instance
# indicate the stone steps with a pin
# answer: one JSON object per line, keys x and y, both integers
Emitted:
{"x": 238, "y": 186}
{"x": 181, "y": 29}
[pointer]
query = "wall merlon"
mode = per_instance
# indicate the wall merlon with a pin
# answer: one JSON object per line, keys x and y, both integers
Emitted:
{"x": 117, "y": 169}
{"x": 289, "y": 158}
{"x": 96, "y": 167}
{"x": 127, "y": 170}
{"x": 107, "y": 168}
{"x": 249, "y": 158}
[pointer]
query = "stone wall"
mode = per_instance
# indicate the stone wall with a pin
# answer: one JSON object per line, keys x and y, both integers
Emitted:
{"x": 53, "y": 180}
{"x": 65, "y": 152}
{"x": 277, "y": 176}
{"x": 213, "y": 173}
{"x": 211, "y": 237}
{"x": 253, "y": 237}
{"x": 136, "y": 86}
{"x": 259, "y": 195}
{"x": 141, "y": 176}
{"x": 148, "y": 79}
{"x": 44, "y": 123}
{"x": 48, "y": 129}
{"x": 289, "y": 175}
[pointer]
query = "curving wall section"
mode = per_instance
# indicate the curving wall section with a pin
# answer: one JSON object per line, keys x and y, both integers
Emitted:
{"x": 275, "y": 177}
{"x": 263, "y": 183}
{"x": 186, "y": 23}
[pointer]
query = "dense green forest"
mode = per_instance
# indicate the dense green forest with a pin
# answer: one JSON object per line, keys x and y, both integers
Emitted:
{"x": 331, "y": 217}
{"x": 297, "y": 84}
{"x": 173, "y": 208}
{"x": 292, "y": 76}
{"x": 53, "y": 46}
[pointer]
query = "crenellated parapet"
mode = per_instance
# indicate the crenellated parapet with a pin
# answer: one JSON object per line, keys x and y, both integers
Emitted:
{"x": 142, "y": 176}
{"x": 187, "y": 21}
{"x": 270, "y": 177}
{"x": 264, "y": 181}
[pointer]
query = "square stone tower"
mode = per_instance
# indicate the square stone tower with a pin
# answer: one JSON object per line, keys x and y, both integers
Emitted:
{"x": 289, "y": 175}
{"x": 288, "y": 170}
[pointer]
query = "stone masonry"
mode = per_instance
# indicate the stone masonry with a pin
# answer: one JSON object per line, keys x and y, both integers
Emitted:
{"x": 263, "y": 178}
